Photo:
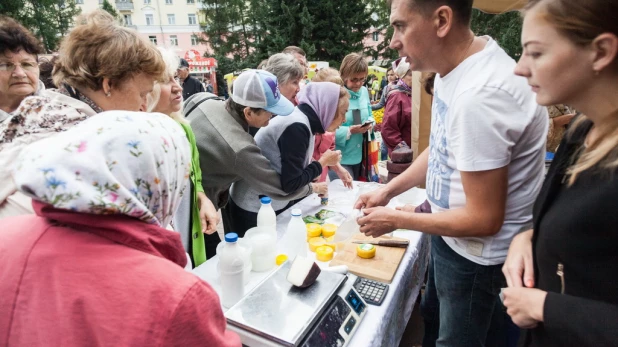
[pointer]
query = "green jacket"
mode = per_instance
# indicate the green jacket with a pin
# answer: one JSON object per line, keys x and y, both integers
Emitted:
{"x": 197, "y": 237}
{"x": 351, "y": 149}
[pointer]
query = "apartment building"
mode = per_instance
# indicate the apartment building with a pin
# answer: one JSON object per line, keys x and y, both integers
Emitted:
{"x": 166, "y": 23}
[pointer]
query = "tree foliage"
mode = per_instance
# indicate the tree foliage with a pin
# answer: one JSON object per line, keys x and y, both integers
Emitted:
{"x": 109, "y": 8}
{"x": 230, "y": 32}
{"x": 504, "y": 28}
{"x": 49, "y": 20}
{"x": 242, "y": 33}
{"x": 327, "y": 30}
{"x": 381, "y": 23}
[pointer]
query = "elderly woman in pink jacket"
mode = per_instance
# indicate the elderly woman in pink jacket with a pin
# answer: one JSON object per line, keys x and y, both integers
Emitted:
{"x": 95, "y": 265}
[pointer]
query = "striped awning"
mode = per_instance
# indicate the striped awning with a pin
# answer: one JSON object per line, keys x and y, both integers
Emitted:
{"x": 499, "y": 6}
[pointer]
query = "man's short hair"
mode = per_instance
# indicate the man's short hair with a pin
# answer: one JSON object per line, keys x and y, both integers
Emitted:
{"x": 462, "y": 9}
{"x": 294, "y": 49}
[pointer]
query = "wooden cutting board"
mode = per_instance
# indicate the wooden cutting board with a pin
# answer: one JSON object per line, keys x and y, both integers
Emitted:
{"x": 381, "y": 268}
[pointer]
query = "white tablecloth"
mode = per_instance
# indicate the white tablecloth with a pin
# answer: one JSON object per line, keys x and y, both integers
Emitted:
{"x": 382, "y": 325}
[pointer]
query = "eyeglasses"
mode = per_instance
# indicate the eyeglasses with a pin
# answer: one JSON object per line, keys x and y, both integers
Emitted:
{"x": 26, "y": 66}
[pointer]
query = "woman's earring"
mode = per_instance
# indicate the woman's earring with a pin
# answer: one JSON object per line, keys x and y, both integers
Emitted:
{"x": 108, "y": 94}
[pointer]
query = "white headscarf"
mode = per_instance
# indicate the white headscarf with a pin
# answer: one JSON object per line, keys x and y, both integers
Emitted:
{"x": 401, "y": 68}
{"x": 116, "y": 162}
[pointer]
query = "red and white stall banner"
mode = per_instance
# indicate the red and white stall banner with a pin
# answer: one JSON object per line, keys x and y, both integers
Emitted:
{"x": 198, "y": 63}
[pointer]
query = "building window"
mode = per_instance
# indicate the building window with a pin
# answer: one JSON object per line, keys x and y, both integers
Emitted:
{"x": 194, "y": 40}
{"x": 192, "y": 19}
{"x": 190, "y": 1}
{"x": 128, "y": 20}
{"x": 174, "y": 40}
{"x": 100, "y": 2}
{"x": 153, "y": 39}
{"x": 171, "y": 19}
{"x": 376, "y": 36}
{"x": 168, "y": 2}
{"x": 149, "y": 19}
{"x": 147, "y": 2}
{"x": 79, "y": 2}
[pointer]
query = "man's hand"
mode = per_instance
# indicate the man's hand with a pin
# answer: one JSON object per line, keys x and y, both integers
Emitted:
{"x": 378, "y": 221}
{"x": 378, "y": 197}
{"x": 524, "y": 305}
{"x": 407, "y": 208}
{"x": 208, "y": 214}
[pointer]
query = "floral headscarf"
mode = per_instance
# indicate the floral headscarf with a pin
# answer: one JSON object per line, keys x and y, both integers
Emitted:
{"x": 116, "y": 162}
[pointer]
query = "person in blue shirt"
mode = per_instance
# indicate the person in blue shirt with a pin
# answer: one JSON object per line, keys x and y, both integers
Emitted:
{"x": 349, "y": 137}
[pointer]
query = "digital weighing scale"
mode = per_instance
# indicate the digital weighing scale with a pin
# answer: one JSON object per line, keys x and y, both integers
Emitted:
{"x": 276, "y": 313}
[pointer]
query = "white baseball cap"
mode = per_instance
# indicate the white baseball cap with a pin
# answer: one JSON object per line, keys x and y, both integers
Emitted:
{"x": 259, "y": 89}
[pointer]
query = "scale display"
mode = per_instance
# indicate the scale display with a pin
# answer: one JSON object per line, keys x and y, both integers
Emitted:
{"x": 326, "y": 331}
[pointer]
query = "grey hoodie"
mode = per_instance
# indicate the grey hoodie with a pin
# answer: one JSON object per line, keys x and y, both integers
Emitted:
{"x": 229, "y": 154}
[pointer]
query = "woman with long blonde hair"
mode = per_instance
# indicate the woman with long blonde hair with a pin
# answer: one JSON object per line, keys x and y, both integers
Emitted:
{"x": 562, "y": 274}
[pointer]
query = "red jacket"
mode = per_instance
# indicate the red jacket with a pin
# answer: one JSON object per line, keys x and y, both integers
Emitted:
{"x": 397, "y": 121}
{"x": 73, "y": 279}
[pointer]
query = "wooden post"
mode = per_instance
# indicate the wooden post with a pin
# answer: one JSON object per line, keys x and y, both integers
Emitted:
{"x": 421, "y": 114}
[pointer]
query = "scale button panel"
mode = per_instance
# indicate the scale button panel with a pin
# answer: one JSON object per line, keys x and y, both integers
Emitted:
{"x": 348, "y": 327}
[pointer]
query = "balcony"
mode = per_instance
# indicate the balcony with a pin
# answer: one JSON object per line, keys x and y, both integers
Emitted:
{"x": 124, "y": 5}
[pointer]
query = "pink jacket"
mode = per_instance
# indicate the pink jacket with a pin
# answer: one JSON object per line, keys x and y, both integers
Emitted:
{"x": 73, "y": 279}
{"x": 323, "y": 142}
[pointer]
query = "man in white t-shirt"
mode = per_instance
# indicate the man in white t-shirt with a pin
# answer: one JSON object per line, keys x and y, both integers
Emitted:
{"x": 483, "y": 169}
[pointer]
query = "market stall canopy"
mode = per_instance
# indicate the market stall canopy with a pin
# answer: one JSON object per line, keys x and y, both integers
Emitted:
{"x": 499, "y": 6}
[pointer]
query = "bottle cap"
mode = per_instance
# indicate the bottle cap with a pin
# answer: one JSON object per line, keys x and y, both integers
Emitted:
{"x": 297, "y": 212}
{"x": 265, "y": 200}
{"x": 231, "y": 237}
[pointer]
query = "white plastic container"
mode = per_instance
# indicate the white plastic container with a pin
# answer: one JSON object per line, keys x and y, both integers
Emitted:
{"x": 294, "y": 241}
{"x": 247, "y": 250}
{"x": 264, "y": 248}
{"x": 266, "y": 215}
{"x": 231, "y": 271}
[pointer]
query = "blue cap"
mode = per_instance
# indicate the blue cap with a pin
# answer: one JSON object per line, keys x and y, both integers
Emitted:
{"x": 297, "y": 212}
{"x": 265, "y": 200}
{"x": 259, "y": 89}
{"x": 231, "y": 237}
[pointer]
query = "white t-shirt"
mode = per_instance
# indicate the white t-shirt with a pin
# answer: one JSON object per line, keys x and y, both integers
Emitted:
{"x": 484, "y": 117}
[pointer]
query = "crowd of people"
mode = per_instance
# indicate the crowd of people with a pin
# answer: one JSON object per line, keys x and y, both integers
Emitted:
{"x": 116, "y": 167}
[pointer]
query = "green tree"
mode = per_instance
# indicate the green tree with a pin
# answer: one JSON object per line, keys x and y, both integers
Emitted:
{"x": 381, "y": 15}
{"x": 230, "y": 32}
{"x": 109, "y": 8}
{"x": 326, "y": 29}
{"x": 49, "y": 20}
{"x": 504, "y": 28}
